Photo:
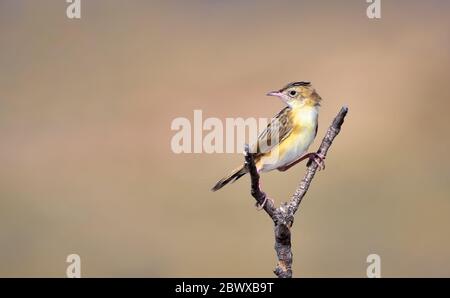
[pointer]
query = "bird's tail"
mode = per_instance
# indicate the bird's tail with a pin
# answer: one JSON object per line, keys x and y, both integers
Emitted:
{"x": 235, "y": 175}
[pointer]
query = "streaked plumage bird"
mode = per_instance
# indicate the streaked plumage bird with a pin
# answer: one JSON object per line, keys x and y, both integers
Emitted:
{"x": 289, "y": 134}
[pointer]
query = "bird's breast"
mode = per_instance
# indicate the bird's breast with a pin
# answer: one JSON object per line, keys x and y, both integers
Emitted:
{"x": 304, "y": 131}
{"x": 304, "y": 121}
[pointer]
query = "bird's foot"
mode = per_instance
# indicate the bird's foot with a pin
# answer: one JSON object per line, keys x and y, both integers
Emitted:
{"x": 319, "y": 159}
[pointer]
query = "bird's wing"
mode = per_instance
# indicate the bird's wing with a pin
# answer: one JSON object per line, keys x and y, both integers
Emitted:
{"x": 279, "y": 128}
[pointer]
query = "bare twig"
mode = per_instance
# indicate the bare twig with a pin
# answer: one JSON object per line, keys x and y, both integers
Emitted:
{"x": 283, "y": 217}
{"x": 256, "y": 192}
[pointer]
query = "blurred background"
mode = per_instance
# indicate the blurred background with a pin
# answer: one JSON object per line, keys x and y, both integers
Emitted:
{"x": 86, "y": 108}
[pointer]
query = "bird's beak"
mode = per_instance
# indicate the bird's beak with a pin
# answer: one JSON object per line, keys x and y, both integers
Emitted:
{"x": 280, "y": 95}
{"x": 275, "y": 93}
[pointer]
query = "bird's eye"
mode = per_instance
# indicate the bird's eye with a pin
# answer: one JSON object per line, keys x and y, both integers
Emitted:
{"x": 292, "y": 93}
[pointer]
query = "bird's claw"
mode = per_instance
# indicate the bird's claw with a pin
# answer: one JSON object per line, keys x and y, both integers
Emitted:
{"x": 319, "y": 159}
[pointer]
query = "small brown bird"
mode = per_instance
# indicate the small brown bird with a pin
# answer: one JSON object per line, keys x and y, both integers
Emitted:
{"x": 289, "y": 134}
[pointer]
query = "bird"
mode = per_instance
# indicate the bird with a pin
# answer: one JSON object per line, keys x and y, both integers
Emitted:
{"x": 288, "y": 135}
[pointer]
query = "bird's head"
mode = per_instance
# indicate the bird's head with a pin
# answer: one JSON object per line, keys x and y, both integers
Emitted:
{"x": 298, "y": 93}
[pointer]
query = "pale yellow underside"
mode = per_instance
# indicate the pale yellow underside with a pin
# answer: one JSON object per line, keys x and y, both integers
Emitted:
{"x": 296, "y": 144}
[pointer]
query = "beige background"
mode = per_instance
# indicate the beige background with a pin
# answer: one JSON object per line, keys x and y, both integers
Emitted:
{"x": 85, "y": 113}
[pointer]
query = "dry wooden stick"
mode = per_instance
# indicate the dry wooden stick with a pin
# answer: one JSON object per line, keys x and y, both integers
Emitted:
{"x": 283, "y": 216}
